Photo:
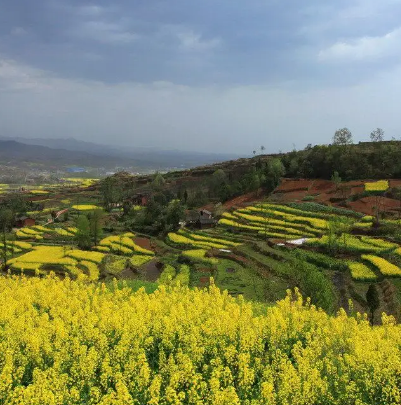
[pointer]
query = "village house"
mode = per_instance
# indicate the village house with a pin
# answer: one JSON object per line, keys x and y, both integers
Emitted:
{"x": 21, "y": 222}
{"x": 200, "y": 219}
{"x": 141, "y": 199}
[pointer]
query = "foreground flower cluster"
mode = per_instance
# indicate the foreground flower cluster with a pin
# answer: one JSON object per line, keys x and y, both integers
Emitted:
{"x": 64, "y": 342}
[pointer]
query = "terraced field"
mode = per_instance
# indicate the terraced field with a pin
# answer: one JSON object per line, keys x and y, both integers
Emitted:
{"x": 117, "y": 253}
{"x": 257, "y": 251}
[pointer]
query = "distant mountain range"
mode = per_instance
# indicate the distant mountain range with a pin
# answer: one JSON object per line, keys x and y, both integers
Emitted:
{"x": 51, "y": 152}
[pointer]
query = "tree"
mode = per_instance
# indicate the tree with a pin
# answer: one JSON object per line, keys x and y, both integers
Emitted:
{"x": 83, "y": 235}
{"x": 255, "y": 183}
{"x": 262, "y": 149}
{"x": 338, "y": 227}
{"x": 96, "y": 225}
{"x": 218, "y": 182}
{"x": 336, "y": 179}
{"x": 342, "y": 136}
{"x": 372, "y": 297}
{"x": 275, "y": 170}
{"x": 111, "y": 192}
{"x": 158, "y": 182}
{"x": 6, "y": 221}
{"x": 174, "y": 213}
{"x": 16, "y": 203}
{"x": 377, "y": 135}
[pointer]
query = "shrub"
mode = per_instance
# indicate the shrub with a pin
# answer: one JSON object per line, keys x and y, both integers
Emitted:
{"x": 167, "y": 275}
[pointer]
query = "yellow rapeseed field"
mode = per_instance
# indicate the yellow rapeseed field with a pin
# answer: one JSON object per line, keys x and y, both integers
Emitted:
{"x": 381, "y": 185}
{"x": 86, "y": 207}
{"x": 65, "y": 342}
{"x": 183, "y": 240}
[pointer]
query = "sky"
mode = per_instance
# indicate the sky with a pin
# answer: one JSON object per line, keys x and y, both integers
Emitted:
{"x": 209, "y": 76}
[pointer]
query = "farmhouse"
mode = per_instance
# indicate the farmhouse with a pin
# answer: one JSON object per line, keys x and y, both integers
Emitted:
{"x": 203, "y": 223}
{"x": 23, "y": 221}
{"x": 141, "y": 199}
{"x": 205, "y": 214}
{"x": 200, "y": 219}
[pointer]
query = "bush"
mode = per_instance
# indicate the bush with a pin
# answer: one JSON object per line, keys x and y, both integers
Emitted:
{"x": 167, "y": 275}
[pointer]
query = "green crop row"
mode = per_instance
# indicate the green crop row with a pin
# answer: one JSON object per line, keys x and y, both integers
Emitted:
{"x": 320, "y": 259}
{"x": 316, "y": 209}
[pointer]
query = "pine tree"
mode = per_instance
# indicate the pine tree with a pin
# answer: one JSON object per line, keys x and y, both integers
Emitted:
{"x": 372, "y": 297}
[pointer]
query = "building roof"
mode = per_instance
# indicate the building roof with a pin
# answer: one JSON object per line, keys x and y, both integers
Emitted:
{"x": 205, "y": 212}
{"x": 192, "y": 216}
{"x": 206, "y": 221}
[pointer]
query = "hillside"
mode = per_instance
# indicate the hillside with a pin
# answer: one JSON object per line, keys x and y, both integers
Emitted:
{"x": 366, "y": 160}
{"x": 23, "y": 155}
{"x": 92, "y": 154}
{"x": 136, "y": 292}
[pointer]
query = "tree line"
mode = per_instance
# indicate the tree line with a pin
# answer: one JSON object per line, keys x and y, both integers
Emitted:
{"x": 365, "y": 160}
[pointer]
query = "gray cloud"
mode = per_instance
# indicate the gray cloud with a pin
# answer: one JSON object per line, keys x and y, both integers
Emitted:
{"x": 199, "y": 75}
{"x": 211, "y": 118}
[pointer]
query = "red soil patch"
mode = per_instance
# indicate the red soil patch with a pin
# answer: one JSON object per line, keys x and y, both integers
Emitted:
{"x": 367, "y": 205}
{"x": 395, "y": 183}
{"x": 294, "y": 196}
{"x": 357, "y": 183}
{"x": 322, "y": 191}
{"x": 143, "y": 243}
{"x": 243, "y": 200}
{"x": 293, "y": 185}
{"x": 322, "y": 185}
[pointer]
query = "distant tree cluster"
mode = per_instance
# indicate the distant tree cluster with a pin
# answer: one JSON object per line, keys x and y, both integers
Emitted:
{"x": 343, "y": 136}
{"x": 346, "y": 160}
